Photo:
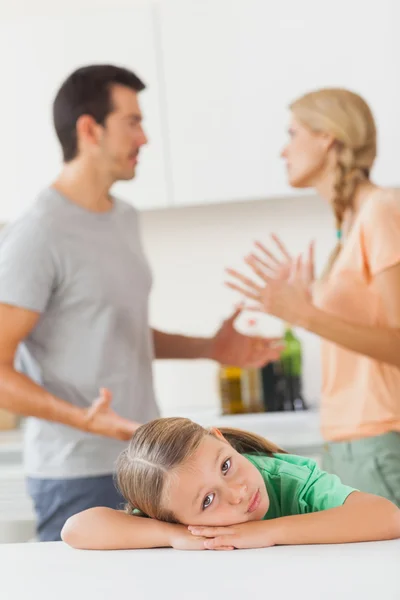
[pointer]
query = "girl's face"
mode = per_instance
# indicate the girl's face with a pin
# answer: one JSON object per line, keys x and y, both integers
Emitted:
{"x": 217, "y": 486}
{"x": 307, "y": 155}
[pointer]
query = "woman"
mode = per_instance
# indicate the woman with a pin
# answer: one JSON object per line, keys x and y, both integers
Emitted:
{"x": 207, "y": 490}
{"x": 355, "y": 307}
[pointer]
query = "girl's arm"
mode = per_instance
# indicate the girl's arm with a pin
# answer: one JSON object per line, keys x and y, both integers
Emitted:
{"x": 103, "y": 528}
{"x": 362, "y": 518}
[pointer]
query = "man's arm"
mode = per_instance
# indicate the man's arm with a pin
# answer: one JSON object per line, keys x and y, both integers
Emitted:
{"x": 170, "y": 345}
{"x": 21, "y": 395}
{"x": 228, "y": 346}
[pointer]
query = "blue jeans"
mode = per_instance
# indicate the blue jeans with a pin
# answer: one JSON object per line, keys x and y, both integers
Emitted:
{"x": 55, "y": 500}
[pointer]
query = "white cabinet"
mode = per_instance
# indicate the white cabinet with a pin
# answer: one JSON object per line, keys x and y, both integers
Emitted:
{"x": 220, "y": 76}
{"x": 231, "y": 67}
{"x": 36, "y": 55}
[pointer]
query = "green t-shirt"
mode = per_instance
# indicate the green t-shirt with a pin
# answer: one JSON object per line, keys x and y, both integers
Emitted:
{"x": 296, "y": 485}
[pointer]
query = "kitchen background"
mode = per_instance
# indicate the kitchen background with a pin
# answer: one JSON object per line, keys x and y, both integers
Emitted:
{"x": 188, "y": 249}
{"x": 220, "y": 76}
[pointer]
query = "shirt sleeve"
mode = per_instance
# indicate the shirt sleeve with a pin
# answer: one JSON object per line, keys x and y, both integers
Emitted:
{"x": 381, "y": 232}
{"x": 27, "y": 267}
{"x": 322, "y": 491}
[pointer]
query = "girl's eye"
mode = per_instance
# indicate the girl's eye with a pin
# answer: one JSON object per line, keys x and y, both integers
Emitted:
{"x": 226, "y": 466}
{"x": 208, "y": 501}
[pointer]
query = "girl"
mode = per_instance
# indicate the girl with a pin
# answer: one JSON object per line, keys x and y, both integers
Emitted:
{"x": 355, "y": 307}
{"x": 207, "y": 489}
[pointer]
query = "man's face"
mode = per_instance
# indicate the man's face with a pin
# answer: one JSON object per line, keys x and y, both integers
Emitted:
{"x": 122, "y": 135}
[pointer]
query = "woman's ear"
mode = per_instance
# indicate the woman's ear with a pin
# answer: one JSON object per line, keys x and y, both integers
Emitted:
{"x": 328, "y": 141}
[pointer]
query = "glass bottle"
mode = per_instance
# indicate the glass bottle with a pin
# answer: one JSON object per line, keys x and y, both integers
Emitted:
{"x": 252, "y": 390}
{"x": 230, "y": 390}
{"x": 273, "y": 386}
{"x": 291, "y": 361}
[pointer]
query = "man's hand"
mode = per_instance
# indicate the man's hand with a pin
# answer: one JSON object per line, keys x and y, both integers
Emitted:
{"x": 230, "y": 347}
{"x": 102, "y": 420}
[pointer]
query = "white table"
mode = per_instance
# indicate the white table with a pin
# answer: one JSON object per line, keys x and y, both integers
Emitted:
{"x": 51, "y": 571}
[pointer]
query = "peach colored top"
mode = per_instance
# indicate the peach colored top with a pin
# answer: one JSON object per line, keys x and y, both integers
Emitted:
{"x": 361, "y": 396}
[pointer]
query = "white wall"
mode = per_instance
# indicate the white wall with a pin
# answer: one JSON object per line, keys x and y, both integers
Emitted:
{"x": 188, "y": 249}
{"x": 53, "y": 7}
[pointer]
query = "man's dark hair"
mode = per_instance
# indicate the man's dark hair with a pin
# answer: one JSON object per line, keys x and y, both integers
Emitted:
{"x": 87, "y": 91}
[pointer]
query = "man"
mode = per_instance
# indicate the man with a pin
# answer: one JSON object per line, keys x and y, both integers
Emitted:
{"x": 74, "y": 287}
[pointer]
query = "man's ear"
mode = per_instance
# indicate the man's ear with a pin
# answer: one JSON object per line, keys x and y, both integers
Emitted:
{"x": 87, "y": 130}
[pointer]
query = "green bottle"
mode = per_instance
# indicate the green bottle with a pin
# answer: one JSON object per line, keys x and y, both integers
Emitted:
{"x": 291, "y": 361}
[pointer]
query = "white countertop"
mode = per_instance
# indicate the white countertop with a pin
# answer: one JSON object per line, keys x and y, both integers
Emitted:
{"x": 291, "y": 430}
{"x": 11, "y": 440}
{"x": 53, "y": 570}
{"x": 295, "y": 432}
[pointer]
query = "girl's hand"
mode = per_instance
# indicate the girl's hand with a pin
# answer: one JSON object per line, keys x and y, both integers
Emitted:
{"x": 255, "y": 534}
{"x": 182, "y": 539}
{"x": 289, "y": 300}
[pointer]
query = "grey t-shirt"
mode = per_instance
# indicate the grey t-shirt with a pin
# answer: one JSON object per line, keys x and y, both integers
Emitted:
{"x": 87, "y": 275}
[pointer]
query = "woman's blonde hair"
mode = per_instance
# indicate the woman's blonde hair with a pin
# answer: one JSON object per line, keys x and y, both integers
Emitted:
{"x": 348, "y": 118}
{"x": 161, "y": 446}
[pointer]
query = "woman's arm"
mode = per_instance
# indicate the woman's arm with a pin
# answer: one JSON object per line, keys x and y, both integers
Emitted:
{"x": 380, "y": 343}
{"x": 290, "y": 301}
{"x": 362, "y": 518}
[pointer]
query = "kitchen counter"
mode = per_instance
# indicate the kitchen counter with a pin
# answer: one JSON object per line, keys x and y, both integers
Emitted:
{"x": 53, "y": 570}
{"x": 17, "y": 519}
{"x": 296, "y": 432}
{"x": 11, "y": 446}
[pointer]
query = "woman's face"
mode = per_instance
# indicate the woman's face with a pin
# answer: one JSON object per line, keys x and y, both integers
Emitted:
{"x": 217, "y": 486}
{"x": 306, "y": 155}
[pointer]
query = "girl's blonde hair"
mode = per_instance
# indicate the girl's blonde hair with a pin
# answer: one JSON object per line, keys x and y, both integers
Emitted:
{"x": 159, "y": 447}
{"x": 348, "y": 118}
